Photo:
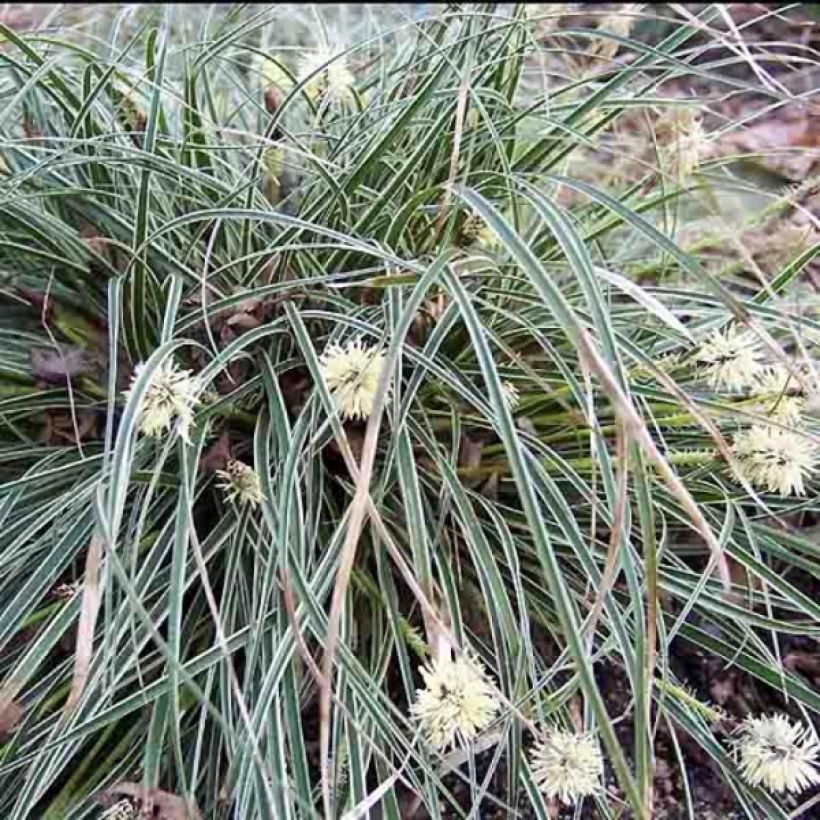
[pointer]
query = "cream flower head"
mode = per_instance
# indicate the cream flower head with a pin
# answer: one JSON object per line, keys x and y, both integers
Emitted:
{"x": 567, "y": 765}
{"x": 122, "y": 810}
{"x": 775, "y": 459}
{"x": 512, "y": 397}
{"x": 241, "y": 483}
{"x": 352, "y": 374}
{"x": 457, "y": 702}
{"x": 172, "y": 395}
{"x": 335, "y": 79}
{"x": 780, "y": 391}
{"x": 777, "y": 754}
{"x": 730, "y": 359}
{"x": 620, "y": 23}
{"x": 686, "y": 140}
{"x": 273, "y": 75}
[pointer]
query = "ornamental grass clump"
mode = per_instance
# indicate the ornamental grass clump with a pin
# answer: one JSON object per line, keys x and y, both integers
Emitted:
{"x": 377, "y": 398}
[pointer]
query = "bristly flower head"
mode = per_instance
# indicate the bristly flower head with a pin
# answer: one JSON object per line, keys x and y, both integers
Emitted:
{"x": 241, "y": 483}
{"x": 779, "y": 389}
{"x": 512, "y": 397}
{"x": 730, "y": 359}
{"x": 775, "y": 459}
{"x": 172, "y": 395}
{"x": 122, "y": 810}
{"x": 567, "y": 765}
{"x": 352, "y": 374}
{"x": 620, "y": 23}
{"x": 273, "y": 75}
{"x": 686, "y": 140}
{"x": 336, "y": 79}
{"x": 457, "y": 702}
{"x": 777, "y": 754}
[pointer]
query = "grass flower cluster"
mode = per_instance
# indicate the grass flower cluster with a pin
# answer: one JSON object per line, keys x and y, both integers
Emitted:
{"x": 730, "y": 359}
{"x": 777, "y": 754}
{"x": 456, "y": 703}
{"x": 777, "y": 455}
{"x": 168, "y": 402}
{"x": 351, "y": 373}
{"x": 241, "y": 483}
{"x": 567, "y": 766}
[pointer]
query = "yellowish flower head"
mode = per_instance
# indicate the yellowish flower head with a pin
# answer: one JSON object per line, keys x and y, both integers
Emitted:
{"x": 730, "y": 359}
{"x": 568, "y": 766}
{"x": 687, "y": 141}
{"x": 171, "y": 396}
{"x": 777, "y": 754}
{"x": 273, "y": 75}
{"x": 352, "y": 374}
{"x": 457, "y": 702}
{"x": 620, "y": 23}
{"x": 273, "y": 160}
{"x": 512, "y": 398}
{"x": 775, "y": 459}
{"x": 335, "y": 79}
{"x": 240, "y": 483}
{"x": 123, "y": 810}
{"x": 781, "y": 394}
{"x": 340, "y": 79}
{"x": 67, "y": 591}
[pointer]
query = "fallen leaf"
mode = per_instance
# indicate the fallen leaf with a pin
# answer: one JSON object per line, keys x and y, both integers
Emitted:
{"x": 59, "y": 427}
{"x": 722, "y": 690}
{"x": 244, "y": 321}
{"x": 294, "y": 385}
{"x": 57, "y": 367}
{"x": 217, "y": 455}
{"x": 796, "y": 129}
{"x": 11, "y": 713}
{"x": 808, "y": 664}
{"x": 469, "y": 453}
{"x": 154, "y": 803}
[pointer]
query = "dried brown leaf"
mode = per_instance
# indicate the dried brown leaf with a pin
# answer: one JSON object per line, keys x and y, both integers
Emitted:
{"x": 805, "y": 662}
{"x": 11, "y": 713}
{"x": 155, "y": 803}
{"x": 56, "y": 367}
{"x": 88, "y": 620}
{"x": 217, "y": 455}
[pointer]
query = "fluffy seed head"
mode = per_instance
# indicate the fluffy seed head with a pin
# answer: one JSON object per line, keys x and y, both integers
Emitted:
{"x": 566, "y": 765}
{"x": 780, "y": 392}
{"x": 512, "y": 397}
{"x": 777, "y": 754}
{"x": 272, "y": 74}
{"x": 65, "y": 592}
{"x": 472, "y": 227}
{"x": 172, "y": 395}
{"x": 457, "y": 702}
{"x": 352, "y": 374}
{"x": 686, "y": 140}
{"x": 619, "y": 23}
{"x": 123, "y": 810}
{"x": 273, "y": 159}
{"x": 775, "y": 459}
{"x": 730, "y": 359}
{"x": 240, "y": 483}
{"x": 335, "y": 79}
